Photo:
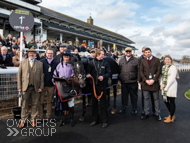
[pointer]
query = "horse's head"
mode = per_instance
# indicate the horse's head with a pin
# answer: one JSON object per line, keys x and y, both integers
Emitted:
{"x": 80, "y": 73}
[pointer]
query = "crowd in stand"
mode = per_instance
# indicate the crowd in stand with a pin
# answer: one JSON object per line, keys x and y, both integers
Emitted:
{"x": 10, "y": 49}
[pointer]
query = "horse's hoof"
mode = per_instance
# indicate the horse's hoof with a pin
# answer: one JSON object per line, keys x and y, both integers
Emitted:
{"x": 113, "y": 111}
{"x": 72, "y": 123}
{"x": 81, "y": 118}
{"x": 61, "y": 123}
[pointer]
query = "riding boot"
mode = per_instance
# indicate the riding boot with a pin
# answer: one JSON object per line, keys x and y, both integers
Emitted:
{"x": 72, "y": 117}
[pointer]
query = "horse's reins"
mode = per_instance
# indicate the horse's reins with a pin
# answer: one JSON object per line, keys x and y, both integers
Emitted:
{"x": 94, "y": 88}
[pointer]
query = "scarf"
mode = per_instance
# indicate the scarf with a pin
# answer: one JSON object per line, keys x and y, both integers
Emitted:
{"x": 165, "y": 70}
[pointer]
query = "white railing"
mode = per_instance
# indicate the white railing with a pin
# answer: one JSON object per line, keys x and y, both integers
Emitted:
{"x": 182, "y": 67}
{"x": 8, "y": 83}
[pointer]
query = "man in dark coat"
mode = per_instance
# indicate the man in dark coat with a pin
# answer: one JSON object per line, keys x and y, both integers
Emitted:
{"x": 76, "y": 55}
{"x": 5, "y": 59}
{"x": 54, "y": 49}
{"x": 83, "y": 49}
{"x": 14, "y": 49}
{"x": 150, "y": 69}
{"x": 59, "y": 57}
{"x": 49, "y": 65}
{"x": 129, "y": 75}
{"x": 100, "y": 70}
{"x": 152, "y": 99}
{"x": 70, "y": 47}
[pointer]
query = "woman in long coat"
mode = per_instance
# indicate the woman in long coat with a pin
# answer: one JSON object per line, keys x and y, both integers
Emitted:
{"x": 168, "y": 86}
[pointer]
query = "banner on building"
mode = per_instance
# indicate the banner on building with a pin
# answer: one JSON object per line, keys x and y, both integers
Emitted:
{"x": 77, "y": 42}
{"x": 91, "y": 44}
{"x": 114, "y": 47}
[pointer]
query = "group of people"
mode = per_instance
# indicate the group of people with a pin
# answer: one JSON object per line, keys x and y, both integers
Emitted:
{"x": 36, "y": 79}
{"x": 153, "y": 76}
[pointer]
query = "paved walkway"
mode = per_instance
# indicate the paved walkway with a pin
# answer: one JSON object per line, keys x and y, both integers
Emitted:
{"x": 122, "y": 128}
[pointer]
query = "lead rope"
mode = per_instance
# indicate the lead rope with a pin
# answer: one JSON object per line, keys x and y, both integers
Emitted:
{"x": 97, "y": 97}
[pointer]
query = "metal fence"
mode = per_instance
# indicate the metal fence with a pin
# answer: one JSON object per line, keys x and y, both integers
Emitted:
{"x": 8, "y": 83}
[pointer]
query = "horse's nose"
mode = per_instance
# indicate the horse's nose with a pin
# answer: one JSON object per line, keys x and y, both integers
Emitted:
{"x": 82, "y": 85}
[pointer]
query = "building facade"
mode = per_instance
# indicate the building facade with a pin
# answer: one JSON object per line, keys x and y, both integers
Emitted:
{"x": 52, "y": 25}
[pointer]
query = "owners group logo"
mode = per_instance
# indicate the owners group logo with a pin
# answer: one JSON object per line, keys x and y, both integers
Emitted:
{"x": 44, "y": 129}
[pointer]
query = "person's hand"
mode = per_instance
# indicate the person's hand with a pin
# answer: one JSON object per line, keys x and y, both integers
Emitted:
{"x": 100, "y": 78}
{"x": 148, "y": 82}
{"x": 88, "y": 75}
{"x": 151, "y": 82}
{"x": 19, "y": 90}
{"x": 161, "y": 87}
{"x": 39, "y": 90}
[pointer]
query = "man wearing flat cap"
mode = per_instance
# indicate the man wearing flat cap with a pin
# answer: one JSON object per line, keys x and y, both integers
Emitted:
{"x": 59, "y": 57}
{"x": 92, "y": 53}
{"x": 14, "y": 49}
{"x": 37, "y": 56}
{"x": 30, "y": 83}
{"x": 129, "y": 75}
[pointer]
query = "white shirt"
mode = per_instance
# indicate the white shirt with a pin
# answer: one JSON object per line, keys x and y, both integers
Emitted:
{"x": 128, "y": 58}
{"x": 150, "y": 58}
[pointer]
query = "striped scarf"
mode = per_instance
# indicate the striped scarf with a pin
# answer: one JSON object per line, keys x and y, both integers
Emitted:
{"x": 165, "y": 70}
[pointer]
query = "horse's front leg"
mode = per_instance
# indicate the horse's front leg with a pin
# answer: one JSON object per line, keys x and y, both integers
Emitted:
{"x": 81, "y": 118}
{"x": 114, "y": 104}
{"x": 108, "y": 95}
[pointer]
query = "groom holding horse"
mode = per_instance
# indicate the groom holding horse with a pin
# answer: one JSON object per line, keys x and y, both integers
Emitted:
{"x": 99, "y": 70}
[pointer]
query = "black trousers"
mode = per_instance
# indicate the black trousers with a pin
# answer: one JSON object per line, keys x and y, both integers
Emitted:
{"x": 103, "y": 105}
{"x": 132, "y": 90}
{"x": 171, "y": 105}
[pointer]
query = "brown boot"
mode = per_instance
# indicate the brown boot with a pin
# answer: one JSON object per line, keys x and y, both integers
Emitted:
{"x": 169, "y": 120}
{"x": 167, "y": 117}
{"x": 173, "y": 117}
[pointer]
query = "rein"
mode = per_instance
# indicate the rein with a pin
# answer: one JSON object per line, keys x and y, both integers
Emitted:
{"x": 97, "y": 97}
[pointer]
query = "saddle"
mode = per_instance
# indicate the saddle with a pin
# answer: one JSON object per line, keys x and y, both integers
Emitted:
{"x": 67, "y": 88}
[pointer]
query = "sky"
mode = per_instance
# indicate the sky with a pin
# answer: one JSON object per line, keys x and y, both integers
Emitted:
{"x": 162, "y": 25}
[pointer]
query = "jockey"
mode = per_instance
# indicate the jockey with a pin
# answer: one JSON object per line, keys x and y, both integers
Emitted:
{"x": 64, "y": 69}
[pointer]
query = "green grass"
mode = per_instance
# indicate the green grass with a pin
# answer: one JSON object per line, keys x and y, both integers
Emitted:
{"x": 187, "y": 94}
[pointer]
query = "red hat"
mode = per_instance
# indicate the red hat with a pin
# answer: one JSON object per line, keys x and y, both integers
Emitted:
{"x": 24, "y": 36}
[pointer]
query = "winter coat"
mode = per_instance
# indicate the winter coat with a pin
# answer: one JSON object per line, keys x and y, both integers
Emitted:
{"x": 171, "y": 86}
{"x": 129, "y": 70}
{"x": 154, "y": 69}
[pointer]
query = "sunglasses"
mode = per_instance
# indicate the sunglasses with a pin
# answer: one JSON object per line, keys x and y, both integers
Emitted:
{"x": 143, "y": 51}
{"x": 127, "y": 51}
